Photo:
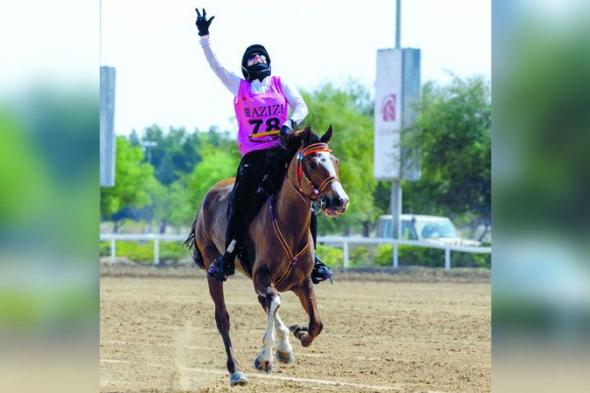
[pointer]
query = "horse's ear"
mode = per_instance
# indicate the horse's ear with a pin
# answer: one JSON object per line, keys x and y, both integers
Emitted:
{"x": 306, "y": 136}
{"x": 326, "y": 137}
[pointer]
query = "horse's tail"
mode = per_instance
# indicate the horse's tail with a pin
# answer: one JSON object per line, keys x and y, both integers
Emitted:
{"x": 191, "y": 244}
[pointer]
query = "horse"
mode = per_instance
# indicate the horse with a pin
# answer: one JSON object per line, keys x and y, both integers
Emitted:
{"x": 277, "y": 251}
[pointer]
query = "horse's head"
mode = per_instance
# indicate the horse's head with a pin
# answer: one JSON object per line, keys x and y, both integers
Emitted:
{"x": 316, "y": 177}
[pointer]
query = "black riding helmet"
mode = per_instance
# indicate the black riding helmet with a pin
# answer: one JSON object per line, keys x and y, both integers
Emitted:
{"x": 256, "y": 71}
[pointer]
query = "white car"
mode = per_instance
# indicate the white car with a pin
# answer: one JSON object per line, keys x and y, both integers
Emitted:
{"x": 434, "y": 229}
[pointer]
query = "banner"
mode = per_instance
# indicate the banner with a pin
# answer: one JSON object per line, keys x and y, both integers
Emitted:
{"x": 397, "y": 89}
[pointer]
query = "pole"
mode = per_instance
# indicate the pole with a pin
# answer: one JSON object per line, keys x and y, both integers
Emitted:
{"x": 156, "y": 251}
{"x": 398, "y": 21}
{"x": 396, "y": 208}
{"x": 447, "y": 258}
{"x": 396, "y": 213}
{"x": 346, "y": 254}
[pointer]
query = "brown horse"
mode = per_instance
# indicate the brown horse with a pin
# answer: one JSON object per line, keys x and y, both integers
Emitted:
{"x": 277, "y": 252}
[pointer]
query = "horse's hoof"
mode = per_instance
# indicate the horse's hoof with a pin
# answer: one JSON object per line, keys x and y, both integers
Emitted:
{"x": 263, "y": 365}
{"x": 297, "y": 328}
{"x": 285, "y": 357}
{"x": 238, "y": 378}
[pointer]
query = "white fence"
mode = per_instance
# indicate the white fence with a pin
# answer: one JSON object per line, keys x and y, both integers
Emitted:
{"x": 345, "y": 243}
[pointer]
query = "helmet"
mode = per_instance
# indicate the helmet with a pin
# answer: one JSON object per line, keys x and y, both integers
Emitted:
{"x": 255, "y": 71}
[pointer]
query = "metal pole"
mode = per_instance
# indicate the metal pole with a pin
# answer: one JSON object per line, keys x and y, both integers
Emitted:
{"x": 396, "y": 208}
{"x": 395, "y": 256}
{"x": 345, "y": 251}
{"x": 156, "y": 251}
{"x": 398, "y": 19}
{"x": 113, "y": 250}
{"x": 447, "y": 258}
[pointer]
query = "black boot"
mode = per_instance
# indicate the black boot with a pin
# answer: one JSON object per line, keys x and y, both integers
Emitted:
{"x": 320, "y": 271}
{"x": 222, "y": 267}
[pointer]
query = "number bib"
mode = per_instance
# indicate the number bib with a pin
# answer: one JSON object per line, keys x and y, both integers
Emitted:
{"x": 260, "y": 116}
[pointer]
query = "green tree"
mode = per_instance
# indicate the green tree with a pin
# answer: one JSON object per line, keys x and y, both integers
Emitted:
{"x": 217, "y": 164}
{"x": 348, "y": 111}
{"x": 134, "y": 181}
{"x": 452, "y": 133}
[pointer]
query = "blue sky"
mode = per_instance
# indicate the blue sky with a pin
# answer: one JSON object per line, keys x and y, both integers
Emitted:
{"x": 162, "y": 75}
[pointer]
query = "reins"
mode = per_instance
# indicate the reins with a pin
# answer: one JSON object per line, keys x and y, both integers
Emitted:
{"x": 316, "y": 193}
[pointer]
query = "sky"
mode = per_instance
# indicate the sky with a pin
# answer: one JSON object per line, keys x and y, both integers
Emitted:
{"x": 163, "y": 77}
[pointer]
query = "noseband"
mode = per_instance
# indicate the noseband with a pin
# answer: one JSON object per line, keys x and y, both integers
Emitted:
{"x": 316, "y": 192}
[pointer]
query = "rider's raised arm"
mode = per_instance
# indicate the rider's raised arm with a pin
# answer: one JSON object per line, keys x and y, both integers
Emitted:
{"x": 229, "y": 79}
{"x": 296, "y": 103}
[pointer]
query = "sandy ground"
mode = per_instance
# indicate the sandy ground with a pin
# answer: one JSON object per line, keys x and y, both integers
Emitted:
{"x": 158, "y": 334}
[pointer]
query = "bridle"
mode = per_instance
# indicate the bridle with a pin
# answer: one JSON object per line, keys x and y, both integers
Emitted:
{"x": 301, "y": 174}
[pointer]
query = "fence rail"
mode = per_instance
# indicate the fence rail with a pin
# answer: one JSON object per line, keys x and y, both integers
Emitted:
{"x": 342, "y": 240}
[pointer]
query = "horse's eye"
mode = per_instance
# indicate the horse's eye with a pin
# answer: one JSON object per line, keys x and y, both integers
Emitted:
{"x": 313, "y": 165}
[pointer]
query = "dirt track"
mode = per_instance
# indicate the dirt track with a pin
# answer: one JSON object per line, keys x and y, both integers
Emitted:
{"x": 159, "y": 335}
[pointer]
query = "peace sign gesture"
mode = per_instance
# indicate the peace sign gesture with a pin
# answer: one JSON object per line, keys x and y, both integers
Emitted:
{"x": 202, "y": 22}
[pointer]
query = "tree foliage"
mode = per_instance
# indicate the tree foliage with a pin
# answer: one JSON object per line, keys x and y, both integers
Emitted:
{"x": 133, "y": 181}
{"x": 217, "y": 164}
{"x": 452, "y": 133}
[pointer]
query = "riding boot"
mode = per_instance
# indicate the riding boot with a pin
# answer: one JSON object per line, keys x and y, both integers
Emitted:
{"x": 222, "y": 266}
{"x": 320, "y": 271}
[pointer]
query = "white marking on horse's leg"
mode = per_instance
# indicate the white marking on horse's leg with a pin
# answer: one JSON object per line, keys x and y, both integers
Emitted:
{"x": 265, "y": 355}
{"x": 283, "y": 343}
{"x": 269, "y": 334}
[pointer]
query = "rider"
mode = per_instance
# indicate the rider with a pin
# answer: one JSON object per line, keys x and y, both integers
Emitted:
{"x": 261, "y": 110}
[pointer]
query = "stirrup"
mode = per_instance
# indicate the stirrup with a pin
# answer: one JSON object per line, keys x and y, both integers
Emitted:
{"x": 216, "y": 269}
{"x": 320, "y": 271}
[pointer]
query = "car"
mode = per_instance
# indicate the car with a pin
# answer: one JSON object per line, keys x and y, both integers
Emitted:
{"x": 433, "y": 229}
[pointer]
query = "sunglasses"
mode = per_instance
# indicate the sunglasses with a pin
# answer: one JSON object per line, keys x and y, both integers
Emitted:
{"x": 253, "y": 56}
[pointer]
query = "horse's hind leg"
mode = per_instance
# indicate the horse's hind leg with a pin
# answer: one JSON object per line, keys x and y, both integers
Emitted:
{"x": 271, "y": 303}
{"x": 306, "y": 295}
{"x": 222, "y": 319}
{"x": 284, "y": 351}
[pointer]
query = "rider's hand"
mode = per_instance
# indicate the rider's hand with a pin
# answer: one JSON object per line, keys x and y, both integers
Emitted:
{"x": 288, "y": 127}
{"x": 287, "y": 130}
{"x": 202, "y": 22}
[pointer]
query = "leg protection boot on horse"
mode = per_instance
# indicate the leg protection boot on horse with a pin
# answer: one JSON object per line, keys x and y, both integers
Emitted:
{"x": 242, "y": 201}
{"x": 320, "y": 271}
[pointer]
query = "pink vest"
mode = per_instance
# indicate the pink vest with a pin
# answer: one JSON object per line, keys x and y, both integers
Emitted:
{"x": 260, "y": 116}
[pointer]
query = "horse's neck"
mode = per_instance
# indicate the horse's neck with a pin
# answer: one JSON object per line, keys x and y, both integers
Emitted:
{"x": 292, "y": 210}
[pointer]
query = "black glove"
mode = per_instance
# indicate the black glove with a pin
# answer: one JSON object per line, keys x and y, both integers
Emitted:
{"x": 203, "y": 23}
{"x": 288, "y": 127}
{"x": 286, "y": 130}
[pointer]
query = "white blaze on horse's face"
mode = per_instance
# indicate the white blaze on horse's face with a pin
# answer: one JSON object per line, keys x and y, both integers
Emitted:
{"x": 324, "y": 165}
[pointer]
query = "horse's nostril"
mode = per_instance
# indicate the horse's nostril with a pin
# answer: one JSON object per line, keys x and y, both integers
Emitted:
{"x": 345, "y": 203}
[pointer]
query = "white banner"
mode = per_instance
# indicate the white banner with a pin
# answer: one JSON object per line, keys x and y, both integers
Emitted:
{"x": 388, "y": 114}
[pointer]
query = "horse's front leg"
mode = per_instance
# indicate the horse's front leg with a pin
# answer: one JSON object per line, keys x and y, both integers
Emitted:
{"x": 284, "y": 352}
{"x": 306, "y": 295}
{"x": 271, "y": 301}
